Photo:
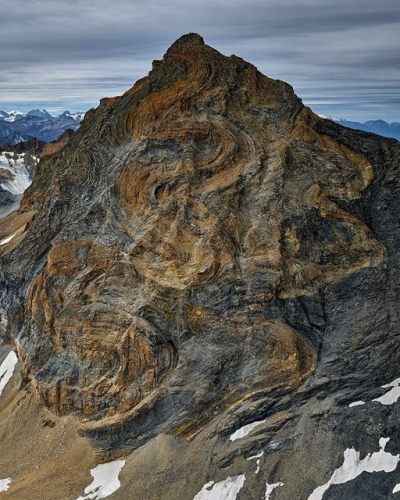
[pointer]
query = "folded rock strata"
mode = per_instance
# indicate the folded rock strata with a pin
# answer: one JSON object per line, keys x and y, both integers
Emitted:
{"x": 189, "y": 260}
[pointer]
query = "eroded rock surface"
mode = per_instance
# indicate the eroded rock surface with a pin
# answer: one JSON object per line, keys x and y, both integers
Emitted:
{"x": 205, "y": 253}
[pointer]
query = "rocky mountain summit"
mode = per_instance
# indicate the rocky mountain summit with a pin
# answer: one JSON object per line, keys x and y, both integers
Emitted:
{"x": 202, "y": 291}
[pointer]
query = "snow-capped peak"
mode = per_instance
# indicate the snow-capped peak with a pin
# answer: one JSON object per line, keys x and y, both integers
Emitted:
{"x": 332, "y": 118}
{"x": 13, "y": 115}
{"x": 77, "y": 116}
{"x": 39, "y": 113}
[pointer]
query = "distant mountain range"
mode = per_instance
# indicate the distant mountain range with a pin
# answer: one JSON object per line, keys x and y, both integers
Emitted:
{"x": 16, "y": 127}
{"x": 379, "y": 127}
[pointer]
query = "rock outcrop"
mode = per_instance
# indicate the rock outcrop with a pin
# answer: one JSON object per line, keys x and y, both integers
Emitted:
{"x": 54, "y": 146}
{"x": 209, "y": 268}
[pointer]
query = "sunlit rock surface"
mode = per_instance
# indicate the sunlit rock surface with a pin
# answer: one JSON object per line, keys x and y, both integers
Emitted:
{"x": 205, "y": 273}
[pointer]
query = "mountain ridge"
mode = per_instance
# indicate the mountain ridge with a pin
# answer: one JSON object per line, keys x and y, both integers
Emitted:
{"x": 16, "y": 126}
{"x": 378, "y": 126}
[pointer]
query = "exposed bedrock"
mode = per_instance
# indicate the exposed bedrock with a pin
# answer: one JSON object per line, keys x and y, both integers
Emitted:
{"x": 204, "y": 248}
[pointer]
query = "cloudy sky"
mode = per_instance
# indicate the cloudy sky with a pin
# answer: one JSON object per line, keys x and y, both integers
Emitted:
{"x": 342, "y": 57}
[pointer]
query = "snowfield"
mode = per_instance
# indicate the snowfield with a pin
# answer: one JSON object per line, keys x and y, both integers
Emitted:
{"x": 18, "y": 179}
{"x": 5, "y": 484}
{"x": 105, "y": 480}
{"x": 352, "y": 467}
{"x": 7, "y": 369}
{"x": 224, "y": 490}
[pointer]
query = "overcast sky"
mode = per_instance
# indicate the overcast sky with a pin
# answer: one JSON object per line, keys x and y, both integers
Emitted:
{"x": 341, "y": 56}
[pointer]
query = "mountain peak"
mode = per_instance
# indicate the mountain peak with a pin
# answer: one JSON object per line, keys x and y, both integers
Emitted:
{"x": 188, "y": 40}
{"x": 39, "y": 113}
{"x": 208, "y": 263}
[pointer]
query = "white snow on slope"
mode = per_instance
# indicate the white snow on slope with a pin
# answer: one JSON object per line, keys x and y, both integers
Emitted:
{"x": 391, "y": 396}
{"x": 7, "y": 369}
{"x": 245, "y": 430}
{"x": 352, "y": 467}
{"x": 258, "y": 456}
{"x": 105, "y": 480}
{"x": 332, "y": 118}
{"x": 270, "y": 489}
{"x": 396, "y": 489}
{"x": 224, "y": 490}
{"x": 5, "y": 484}
{"x": 13, "y": 115}
{"x": 79, "y": 115}
{"x": 6, "y": 240}
{"x": 20, "y": 178}
{"x": 356, "y": 403}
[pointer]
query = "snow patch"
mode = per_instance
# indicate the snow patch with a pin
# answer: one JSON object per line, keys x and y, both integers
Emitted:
{"x": 328, "y": 117}
{"x": 270, "y": 488}
{"x": 224, "y": 490}
{"x": 20, "y": 178}
{"x": 352, "y": 467}
{"x": 258, "y": 456}
{"x": 356, "y": 403}
{"x": 7, "y": 369}
{"x": 5, "y": 484}
{"x": 105, "y": 480}
{"x": 78, "y": 116}
{"x": 396, "y": 489}
{"x": 391, "y": 396}
{"x": 245, "y": 430}
{"x": 6, "y": 240}
{"x": 13, "y": 115}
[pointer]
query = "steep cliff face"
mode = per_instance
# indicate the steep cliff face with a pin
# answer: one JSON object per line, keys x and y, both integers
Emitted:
{"x": 204, "y": 278}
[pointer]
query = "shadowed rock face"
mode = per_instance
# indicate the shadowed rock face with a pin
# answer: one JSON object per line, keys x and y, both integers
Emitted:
{"x": 179, "y": 252}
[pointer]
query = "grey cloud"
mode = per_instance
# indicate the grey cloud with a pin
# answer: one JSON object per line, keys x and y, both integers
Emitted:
{"x": 79, "y": 51}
